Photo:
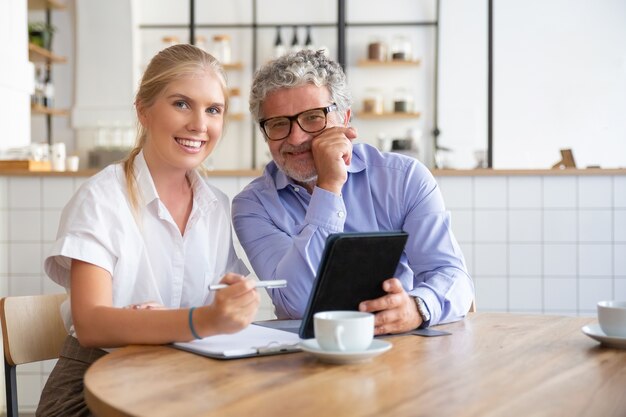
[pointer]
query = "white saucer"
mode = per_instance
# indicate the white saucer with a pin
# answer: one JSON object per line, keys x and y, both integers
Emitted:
{"x": 595, "y": 332}
{"x": 376, "y": 348}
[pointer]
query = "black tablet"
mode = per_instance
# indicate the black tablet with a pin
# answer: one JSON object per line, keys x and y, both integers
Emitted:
{"x": 352, "y": 269}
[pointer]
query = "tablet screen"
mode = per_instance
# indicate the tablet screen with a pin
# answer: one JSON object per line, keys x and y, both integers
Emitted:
{"x": 352, "y": 269}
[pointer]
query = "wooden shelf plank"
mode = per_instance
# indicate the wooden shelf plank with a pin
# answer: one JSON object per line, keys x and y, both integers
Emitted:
{"x": 371, "y": 116}
{"x": 233, "y": 66}
{"x": 371, "y": 63}
{"x": 235, "y": 116}
{"x": 24, "y": 165}
{"x": 45, "y": 4}
{"x": 49, "y": 111}
{"x": 39, "y": 54}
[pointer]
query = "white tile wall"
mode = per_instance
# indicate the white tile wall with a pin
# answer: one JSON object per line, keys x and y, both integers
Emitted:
{"x": 559, "y": 260}
{"x": 525, "y": 225}
{"x": 490, "y": 192}
{"x": 525, "y": 259}
{"x": 490, "y": 225}
{"x": 560, "y": 225}
{"x": 619, "y": 224}
{"x": 595, "y": 192}
{"x": 564, "y": 243}
{"x": 560, "y": 192}
{"x": 619, "y": 191}
{"x": 595, "y": 225}
{"x": 525, "y": 192}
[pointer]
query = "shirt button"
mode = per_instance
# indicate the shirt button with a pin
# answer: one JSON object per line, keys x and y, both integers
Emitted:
{"x": 340, "y": 214}
{"x": 296, "y": 189}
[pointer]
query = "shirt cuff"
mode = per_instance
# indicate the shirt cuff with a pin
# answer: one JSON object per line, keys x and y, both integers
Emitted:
{"x": 326, "y": 210}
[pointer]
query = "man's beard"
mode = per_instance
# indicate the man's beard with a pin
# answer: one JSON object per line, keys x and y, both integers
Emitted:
{"x": 299, "y": 172}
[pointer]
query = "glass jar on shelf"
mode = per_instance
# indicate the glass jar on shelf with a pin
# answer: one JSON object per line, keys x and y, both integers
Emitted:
{"x": 401, "y": 49}
{"x": 200, "y": 42}
{"x": 170, "y": 41}
{"x": 377, "y": 50}
{"x": 221, "y": 48}
{"x": 234, "y": 102}
{"x": 402, "y": 101}
{"x": 373, "y": 101}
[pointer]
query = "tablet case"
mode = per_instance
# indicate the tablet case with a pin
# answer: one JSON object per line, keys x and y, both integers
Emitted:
{"x": 352, "y": 269}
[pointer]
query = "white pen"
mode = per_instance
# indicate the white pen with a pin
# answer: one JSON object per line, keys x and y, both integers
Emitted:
{"x": 275, "y": 283}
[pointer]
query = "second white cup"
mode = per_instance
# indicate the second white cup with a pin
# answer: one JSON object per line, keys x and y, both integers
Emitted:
{"x": 345, "y": 331}
{"x": 612, "y": 318}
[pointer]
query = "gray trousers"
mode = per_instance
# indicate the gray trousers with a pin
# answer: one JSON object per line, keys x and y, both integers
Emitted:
{"x": 63, "y": 392}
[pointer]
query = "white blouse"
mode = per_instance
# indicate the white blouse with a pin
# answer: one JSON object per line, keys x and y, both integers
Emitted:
{"x": 147, "y": 257}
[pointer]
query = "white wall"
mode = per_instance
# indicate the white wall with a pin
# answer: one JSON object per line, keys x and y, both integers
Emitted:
{"x": 16, "y": 75}
{"x": 559, "y": 81}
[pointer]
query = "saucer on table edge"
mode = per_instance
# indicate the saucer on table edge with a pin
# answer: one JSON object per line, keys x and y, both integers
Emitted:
{"x": 595, "y": 332}
{"x": 376, "y": 348}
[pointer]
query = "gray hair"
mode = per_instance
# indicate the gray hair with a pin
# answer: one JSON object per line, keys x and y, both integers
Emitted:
{"x": 298, "y": 69}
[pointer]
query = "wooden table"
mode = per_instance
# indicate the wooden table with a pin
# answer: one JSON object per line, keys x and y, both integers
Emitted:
{"x": 493, "y": 364}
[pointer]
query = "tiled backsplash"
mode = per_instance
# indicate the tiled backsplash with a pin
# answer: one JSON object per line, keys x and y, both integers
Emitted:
{"x": 541, "y": 244}
{"x": 537, "y": 244}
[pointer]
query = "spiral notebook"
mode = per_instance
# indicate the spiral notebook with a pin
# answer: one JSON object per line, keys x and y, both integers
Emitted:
{"x": 252, "y": 341}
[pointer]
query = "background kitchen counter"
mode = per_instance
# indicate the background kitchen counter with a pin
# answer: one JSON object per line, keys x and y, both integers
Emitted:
{"x": 436, "y": 172}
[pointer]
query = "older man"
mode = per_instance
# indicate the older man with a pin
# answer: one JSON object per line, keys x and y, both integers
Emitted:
{"x": 320, "y": 183}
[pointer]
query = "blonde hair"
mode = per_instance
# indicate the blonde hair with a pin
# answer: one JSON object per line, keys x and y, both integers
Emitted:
{"x": 170, "y": 64}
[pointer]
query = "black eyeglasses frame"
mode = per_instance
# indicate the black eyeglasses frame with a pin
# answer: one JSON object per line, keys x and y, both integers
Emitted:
{"x": 326, "y": 110}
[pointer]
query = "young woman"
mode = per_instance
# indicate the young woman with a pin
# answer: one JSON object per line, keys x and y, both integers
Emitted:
{"x": 140, "y": 242}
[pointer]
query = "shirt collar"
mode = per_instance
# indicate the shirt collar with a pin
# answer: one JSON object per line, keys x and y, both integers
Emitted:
{"x": 145, "y": 184}
{"x": 203, "y": 195}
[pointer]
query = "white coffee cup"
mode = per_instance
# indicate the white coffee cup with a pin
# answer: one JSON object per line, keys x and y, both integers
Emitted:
{"x": 612, "y": 318}
{"x": 348, "y": 331}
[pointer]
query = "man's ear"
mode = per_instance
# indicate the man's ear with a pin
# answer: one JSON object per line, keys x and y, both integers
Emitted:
{"x": 346, "y": 121}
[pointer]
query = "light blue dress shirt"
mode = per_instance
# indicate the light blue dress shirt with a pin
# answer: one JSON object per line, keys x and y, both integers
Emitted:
{"x": 283, "y": 229}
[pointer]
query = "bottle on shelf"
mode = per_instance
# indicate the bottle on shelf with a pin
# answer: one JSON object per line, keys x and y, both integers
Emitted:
{"x": 38, "y": 97}
{"x": 308, "y": 43}
{"x": 48, "y": 93}
{"x": 295, "y": 44}
{"x": 279, "y": 46}
{"x": 221, "y": 48}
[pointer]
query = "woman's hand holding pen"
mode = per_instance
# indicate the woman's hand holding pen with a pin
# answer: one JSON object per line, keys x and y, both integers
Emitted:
{"x": 232, "y": 309}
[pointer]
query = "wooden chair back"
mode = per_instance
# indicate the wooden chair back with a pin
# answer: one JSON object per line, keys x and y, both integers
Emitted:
{"x": 32, "y": 331}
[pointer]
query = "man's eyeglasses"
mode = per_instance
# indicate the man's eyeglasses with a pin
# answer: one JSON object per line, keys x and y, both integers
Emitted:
{"x": 311, "y": 121}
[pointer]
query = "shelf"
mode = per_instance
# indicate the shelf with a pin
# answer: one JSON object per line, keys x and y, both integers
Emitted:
{"x": 49, "y": 111}
{"x": 397, "y": 64}
{"x": 45, "y": 4}
{"x": 233, "y": 66}
{"x": 235, "y": 116}
{"x": 372, "y": 116}
{"x": 39, "y": 54}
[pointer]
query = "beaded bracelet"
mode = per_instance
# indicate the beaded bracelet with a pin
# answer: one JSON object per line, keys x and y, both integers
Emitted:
{"x": 193, "y": 330}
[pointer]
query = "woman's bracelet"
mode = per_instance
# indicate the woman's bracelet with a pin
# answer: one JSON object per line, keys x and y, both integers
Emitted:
{"x": 193, "y": 330}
